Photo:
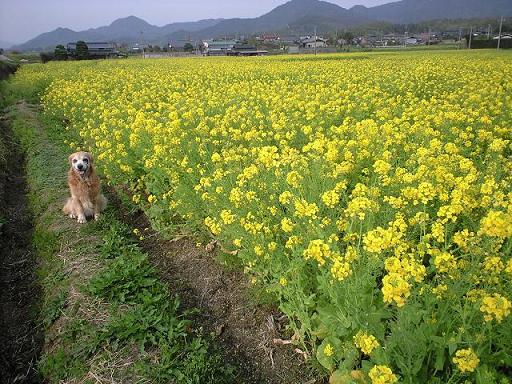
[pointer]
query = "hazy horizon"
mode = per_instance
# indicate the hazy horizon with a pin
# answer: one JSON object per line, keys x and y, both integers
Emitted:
{"x": 23, "y": 20}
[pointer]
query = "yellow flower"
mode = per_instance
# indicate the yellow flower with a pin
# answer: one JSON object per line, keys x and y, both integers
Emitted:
{"x": 381, "y": 374}
{"x": 305, "y": 209}
{"x": 287, "y": 225}
{"x": 445, "y": 262}
{"x": 340, "y": 269}
{"x": 293, "y": 178}
{"x": 395, "y": 289}
{"x": 440, "y": 290}
{"x": 237, "y": 242}
{"x": 365, "y": 342}
{"x": 285, "y": 197}
{"x": 227, "y": 216}
{"x": 331, "y": 198}
{"x": 318, "y": 250}
{"x": 212, "y": 225}
{"x": 498, "y": 224}
{"x": 466, "y": 360}
{"x": 495, "y": 307}
{"x": 328, "y": 350}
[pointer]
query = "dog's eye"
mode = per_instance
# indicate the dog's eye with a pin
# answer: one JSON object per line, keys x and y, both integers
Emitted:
{"x": 86, "y": 160}
{"x": 74, "y": 161}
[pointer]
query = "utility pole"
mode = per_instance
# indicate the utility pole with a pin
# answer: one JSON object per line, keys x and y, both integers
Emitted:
{"x": 142, "y": 45}
{"x": 460, "y": 36}
{"x": 428, "y": 36}
{"x": 488, "y": 32}
{"x": 315, "y": 40}
{"x": 470, "y": 37}
{"x": 499, "y": 35}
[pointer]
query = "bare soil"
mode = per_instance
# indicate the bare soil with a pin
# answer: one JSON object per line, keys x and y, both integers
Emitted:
{"x": 20, "y": 336}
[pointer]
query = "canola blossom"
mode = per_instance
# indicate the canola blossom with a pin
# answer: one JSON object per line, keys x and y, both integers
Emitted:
{"x": 362, "y": 191}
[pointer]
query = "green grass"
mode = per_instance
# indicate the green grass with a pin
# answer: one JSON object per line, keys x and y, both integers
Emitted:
{"x": 104, "y": 310}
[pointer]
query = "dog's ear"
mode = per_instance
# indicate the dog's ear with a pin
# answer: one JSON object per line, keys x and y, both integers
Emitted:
{"x": 70, "y": 158}
{"x": 89, "y": 156}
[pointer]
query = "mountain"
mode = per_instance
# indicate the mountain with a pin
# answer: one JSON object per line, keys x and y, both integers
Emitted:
{"x": 294, "y": 17}
{"x": 413, "y": 11}
{"x": 298, "y": 15}
{"x": 130, "y": 29}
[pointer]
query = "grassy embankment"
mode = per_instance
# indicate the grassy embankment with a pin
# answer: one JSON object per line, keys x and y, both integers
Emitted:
{"x": 105, "y": 314}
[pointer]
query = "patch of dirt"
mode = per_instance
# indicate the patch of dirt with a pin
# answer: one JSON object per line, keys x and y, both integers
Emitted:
{"x": 20, "y": 335}
{"x": 245, "y": 329}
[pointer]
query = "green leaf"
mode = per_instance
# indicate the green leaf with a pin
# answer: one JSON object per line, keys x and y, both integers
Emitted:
{"x": 328, "y": 362}
{"x": 440, "y": 359}
{"x": 452, "y": 347}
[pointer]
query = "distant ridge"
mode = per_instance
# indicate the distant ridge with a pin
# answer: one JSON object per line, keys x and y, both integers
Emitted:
{"x": 125, "y": 30}
{"x": 413, "y": 11}
{"x": 295, "y": 16}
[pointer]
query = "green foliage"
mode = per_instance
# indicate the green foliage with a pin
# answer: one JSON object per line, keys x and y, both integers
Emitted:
{"x": 60, "y": 52}
{"x": 188, "y": 47}
{"x": 61, "y": 365}
{"x": 82, "y": 50}
{"x": 46, "y": 57}
{"x": 53, "y": 308}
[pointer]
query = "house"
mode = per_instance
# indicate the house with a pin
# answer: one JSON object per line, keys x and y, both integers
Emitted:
{"x": 411, "y": 40}
{"x": 430, "y": 38}
{"x": 293, "y": 49}
{"x": 97, "y": 50}
{"x": 245, "y": 50}
{"x": 268, "y": 38}
{"x": 218, "y": 47}
{"x": 313, "y": 42}
{"x": 503, "y": 36}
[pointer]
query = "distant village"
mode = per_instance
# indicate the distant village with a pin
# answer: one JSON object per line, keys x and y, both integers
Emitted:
{"x": 272, "y": 43}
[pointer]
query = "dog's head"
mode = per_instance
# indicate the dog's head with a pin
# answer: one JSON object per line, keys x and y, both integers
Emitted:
{"x": 81, "y": 162}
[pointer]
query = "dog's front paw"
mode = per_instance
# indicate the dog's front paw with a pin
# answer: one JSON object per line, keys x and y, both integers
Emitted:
{"x": 96, "y": 216}
{"x": 72, "y": 216}
{"x": 82, "y": 219}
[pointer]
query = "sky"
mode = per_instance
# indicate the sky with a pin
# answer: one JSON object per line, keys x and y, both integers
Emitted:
{"x": 22, "y": 20}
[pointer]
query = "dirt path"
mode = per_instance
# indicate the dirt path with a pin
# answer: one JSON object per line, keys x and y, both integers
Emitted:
{"x": 20, "y": 340}
{"x": 227, "y": 306}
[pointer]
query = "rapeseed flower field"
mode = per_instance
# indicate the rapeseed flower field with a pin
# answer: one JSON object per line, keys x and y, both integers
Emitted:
{"x": 370, "y": 194}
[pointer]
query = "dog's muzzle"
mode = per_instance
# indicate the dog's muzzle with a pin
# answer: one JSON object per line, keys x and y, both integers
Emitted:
{"x": 81, "y": 169}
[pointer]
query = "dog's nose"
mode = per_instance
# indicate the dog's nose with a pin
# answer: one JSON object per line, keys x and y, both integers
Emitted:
{"x": 80, "y": 166}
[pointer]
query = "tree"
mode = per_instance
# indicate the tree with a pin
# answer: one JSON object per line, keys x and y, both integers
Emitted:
{"x": 348, "y": 37}
{"x": 46, "y": 57}
{"x": 188, "y": 47}
{"x": 60, "y": 52}
{"x": 82, "y": 50}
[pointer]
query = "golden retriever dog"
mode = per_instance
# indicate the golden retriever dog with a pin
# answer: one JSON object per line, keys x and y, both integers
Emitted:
{"x": 86, "y": 199}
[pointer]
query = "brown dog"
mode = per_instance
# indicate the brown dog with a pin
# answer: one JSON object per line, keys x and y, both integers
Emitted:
{"x": 86, "y": 199}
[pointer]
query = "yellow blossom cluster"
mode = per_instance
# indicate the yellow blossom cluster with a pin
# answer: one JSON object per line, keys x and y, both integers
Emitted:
{"x": 365, "y": 342}
{"x": 382, "y": 374}
{"x": 495, "y": 307}
{"x": 466, "y": 360}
